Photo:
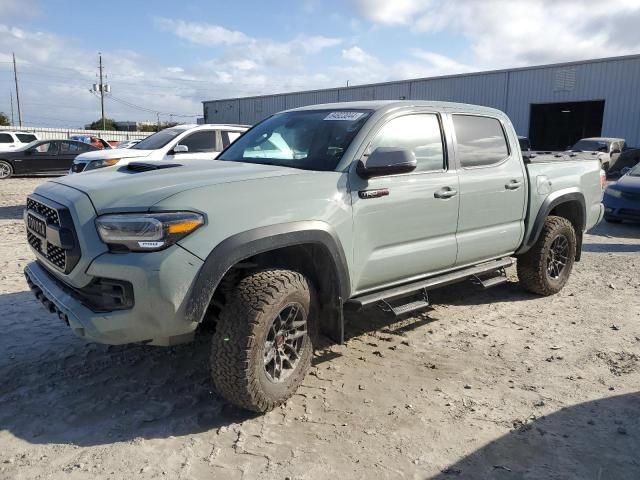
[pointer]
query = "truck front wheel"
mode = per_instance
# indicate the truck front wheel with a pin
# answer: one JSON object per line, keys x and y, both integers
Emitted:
{"x": 546, "y": 267}
{"x": 262, "y": 346}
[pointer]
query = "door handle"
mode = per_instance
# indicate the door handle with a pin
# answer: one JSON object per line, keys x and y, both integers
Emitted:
{"x": 513, "y": 185}
{"x": 446, "y": 192}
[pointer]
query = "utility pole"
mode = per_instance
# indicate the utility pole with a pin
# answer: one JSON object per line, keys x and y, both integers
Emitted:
{"x": 104, "y": 127}
{"x": 158, "y": 118}
{"x": 102, "y": 88}
{"x": 15, "y": 77}
{"x": 11, "y": 102}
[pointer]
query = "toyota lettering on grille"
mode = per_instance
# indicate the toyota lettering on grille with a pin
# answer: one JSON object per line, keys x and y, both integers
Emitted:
{"x": 36, "y": 225}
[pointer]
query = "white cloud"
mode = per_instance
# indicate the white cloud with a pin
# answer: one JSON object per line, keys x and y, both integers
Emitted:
{"x": 367, "y": 68}
{"x": 357, "y": 55}
{"x": 505, "y": 33}
{"x": 202, "y": 33}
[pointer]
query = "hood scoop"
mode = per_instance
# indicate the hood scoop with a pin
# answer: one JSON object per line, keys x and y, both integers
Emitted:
{"x": 138, "y": 167}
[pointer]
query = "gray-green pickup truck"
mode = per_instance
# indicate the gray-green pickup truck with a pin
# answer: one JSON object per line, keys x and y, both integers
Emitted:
{"x": 311, "y": 211}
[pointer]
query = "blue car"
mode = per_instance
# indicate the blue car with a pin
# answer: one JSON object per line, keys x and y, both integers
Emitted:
{"x": 622, "y": 199}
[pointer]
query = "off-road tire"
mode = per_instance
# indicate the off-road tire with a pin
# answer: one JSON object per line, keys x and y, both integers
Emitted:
{"x": 6, "y": 170}
{"x": 237, "y": 361}
{"x": 532, "y": 265}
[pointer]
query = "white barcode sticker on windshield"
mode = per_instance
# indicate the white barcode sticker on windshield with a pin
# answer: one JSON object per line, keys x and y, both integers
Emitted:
{"x": 350, "y": 116}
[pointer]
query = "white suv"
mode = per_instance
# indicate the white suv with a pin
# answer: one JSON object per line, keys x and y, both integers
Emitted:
{"x": 13, "y": 140}
{"x": 182, "y": 142}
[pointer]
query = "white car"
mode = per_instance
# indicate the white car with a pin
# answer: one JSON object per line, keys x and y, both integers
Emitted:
{"x": 12, "y": 140}
{"x": 179, "y": 143}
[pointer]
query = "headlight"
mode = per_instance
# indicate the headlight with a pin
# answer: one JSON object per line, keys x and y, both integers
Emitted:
{"x": 143, "y": 232}
{"x": 613, "y": 192}
{"x": 101, "y": 163}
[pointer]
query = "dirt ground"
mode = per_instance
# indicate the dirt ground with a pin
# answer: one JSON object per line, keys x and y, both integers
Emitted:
{"x": 488, "y": 384}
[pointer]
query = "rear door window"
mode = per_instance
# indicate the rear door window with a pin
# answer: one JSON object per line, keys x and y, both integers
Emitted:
{"x": 6, "y": 138}
{"x": 71, "y": 147}
{"x": 480, "y": 141}
{"x": 26, "y": 137}
{"x": 202, "y": 141}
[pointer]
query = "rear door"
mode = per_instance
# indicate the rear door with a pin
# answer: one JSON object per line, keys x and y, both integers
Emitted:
{"x": 202, "y": 145}
{"x": 493, "y": 189}
{"x": 403, "y": 226}
{"x": 69, "y": 150}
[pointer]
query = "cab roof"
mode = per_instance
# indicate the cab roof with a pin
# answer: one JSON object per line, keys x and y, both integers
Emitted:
{"x": 385, "y": 105}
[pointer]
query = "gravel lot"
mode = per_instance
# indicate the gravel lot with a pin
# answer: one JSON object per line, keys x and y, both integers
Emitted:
{"x": 488, "y": 384}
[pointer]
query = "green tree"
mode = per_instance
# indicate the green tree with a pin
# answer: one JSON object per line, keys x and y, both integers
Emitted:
{"x": 109, "y": 124}
{"x": 154, "y": 127}
{"x": 4, "y": 120}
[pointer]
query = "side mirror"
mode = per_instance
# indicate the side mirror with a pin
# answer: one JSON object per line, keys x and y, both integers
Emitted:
{"x": 615, "y": 150}
{"x": 387, "y": 161}
{"x": 625, "y": 170}
{"x": 180, "y": 149}
{"x": 30, "y": 151}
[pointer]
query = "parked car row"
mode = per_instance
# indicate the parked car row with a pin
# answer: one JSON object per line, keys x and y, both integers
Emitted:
{"x": 86, "y": 152}
{"x": 613, "y": 153}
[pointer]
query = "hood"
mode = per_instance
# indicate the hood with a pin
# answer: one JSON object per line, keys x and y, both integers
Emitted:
{"x": 629, "y": 183}
{"x": 121, "y": 189}
{"x": 112, "y": 153}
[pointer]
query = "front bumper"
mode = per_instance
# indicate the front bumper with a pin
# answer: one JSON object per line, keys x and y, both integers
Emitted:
{"x": 621, "y": 208}
{"x": 161, "y": 285}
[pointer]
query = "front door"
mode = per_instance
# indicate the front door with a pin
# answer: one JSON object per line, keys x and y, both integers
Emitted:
{"x": 39, "y": 159}
{"x": 403, "y": 226}
{"x": 493, "y": 189}
{"x": 202, "y": 145}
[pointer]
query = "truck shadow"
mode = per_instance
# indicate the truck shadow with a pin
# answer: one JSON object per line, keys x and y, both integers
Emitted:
{"x": 12, "y": 212}
{"x": 55, "y": 388}
{"x": 598, "y": 439}
{"x": 616, "y": 230}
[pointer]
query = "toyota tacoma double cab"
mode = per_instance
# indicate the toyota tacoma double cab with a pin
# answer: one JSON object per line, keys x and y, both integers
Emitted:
{"x": 312, "y": 211}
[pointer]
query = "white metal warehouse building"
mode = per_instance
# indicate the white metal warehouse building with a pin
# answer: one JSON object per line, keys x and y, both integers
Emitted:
{"x": 554, "y": 105}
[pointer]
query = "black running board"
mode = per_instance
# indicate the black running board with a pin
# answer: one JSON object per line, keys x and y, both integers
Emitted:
{"x": 431, "y": 283}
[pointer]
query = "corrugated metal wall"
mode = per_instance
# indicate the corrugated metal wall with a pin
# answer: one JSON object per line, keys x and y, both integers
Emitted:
{"x": 616, "y": 81}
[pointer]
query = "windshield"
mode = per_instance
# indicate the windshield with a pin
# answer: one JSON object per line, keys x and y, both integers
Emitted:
{"x": 591, "y": 146}
{"x": 308, "y": 139}
{"x": 159, "y": 139}
{"x": 28, "y": 146}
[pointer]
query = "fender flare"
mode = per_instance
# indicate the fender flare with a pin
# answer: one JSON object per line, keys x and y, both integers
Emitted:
{"x": 553, "y": 200}
{"x": 246, "y": 244}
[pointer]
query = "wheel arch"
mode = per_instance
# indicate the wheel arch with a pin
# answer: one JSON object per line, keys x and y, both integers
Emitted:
{"x": 312, "y": 247}
{"x": 567, "y": 203}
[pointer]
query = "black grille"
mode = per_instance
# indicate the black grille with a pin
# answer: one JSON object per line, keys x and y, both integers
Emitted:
{"x": 51, "y": 234}
{"x": 49, "y": 213}
{"x": 57, "y": 256}
{"x": 34, "y": 241}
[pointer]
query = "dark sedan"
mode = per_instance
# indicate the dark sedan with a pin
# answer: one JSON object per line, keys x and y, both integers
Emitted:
{"x": 42, "y": 157}
{"x": 622, "y": 199}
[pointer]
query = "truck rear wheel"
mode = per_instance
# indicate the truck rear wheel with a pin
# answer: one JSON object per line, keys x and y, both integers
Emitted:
{"x": 262, "y": 346}
{"x": 546, "y": 267}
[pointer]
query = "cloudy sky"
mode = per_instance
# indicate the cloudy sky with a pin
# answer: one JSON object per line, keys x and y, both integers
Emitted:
{"x": 168, "y": 56}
